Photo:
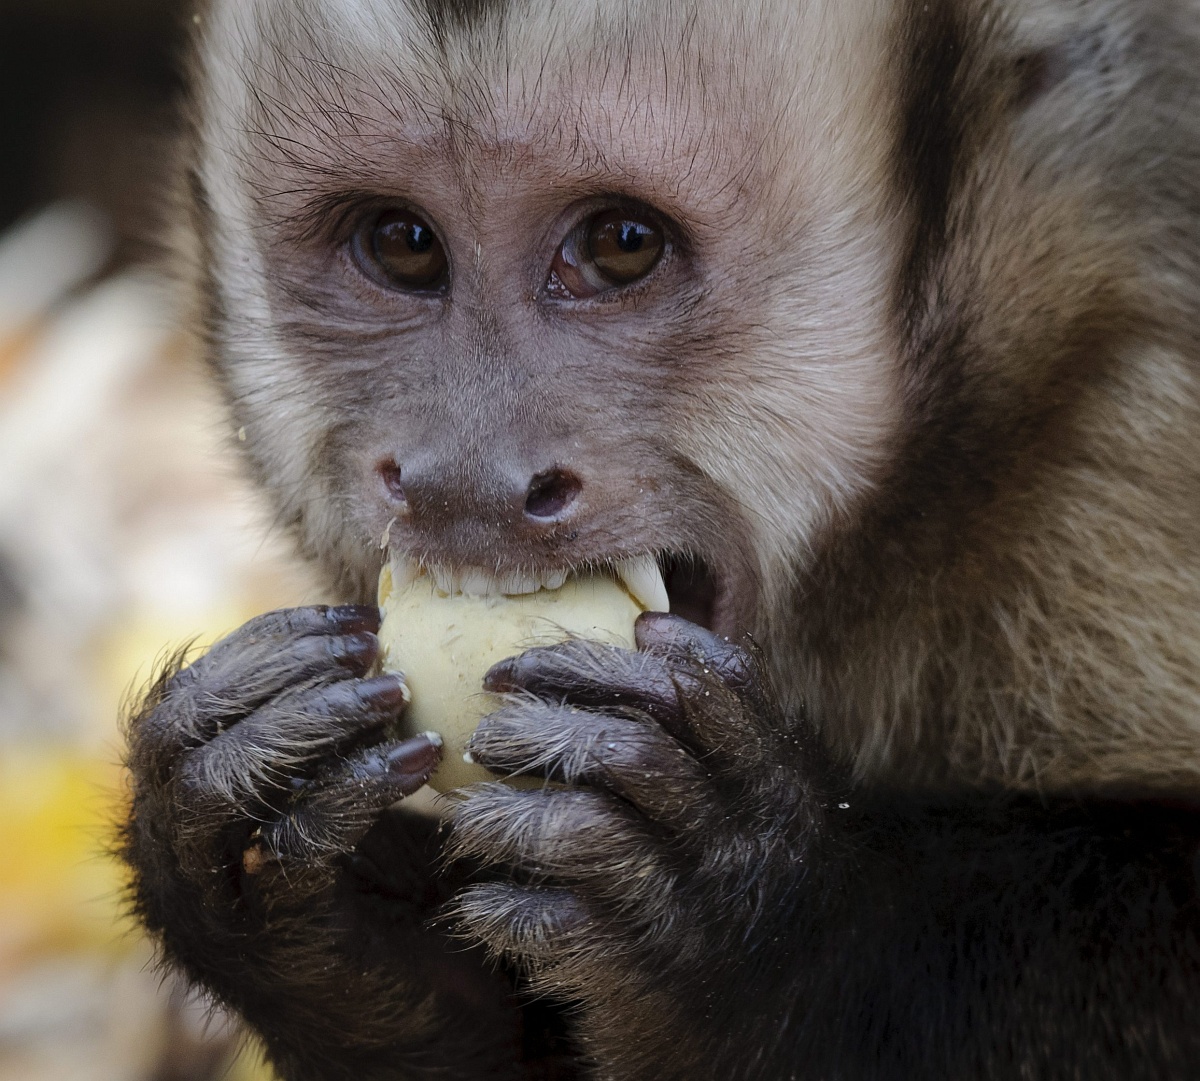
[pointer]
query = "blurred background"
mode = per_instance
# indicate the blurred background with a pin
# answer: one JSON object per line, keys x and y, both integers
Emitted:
{"x": 124, "y": 528}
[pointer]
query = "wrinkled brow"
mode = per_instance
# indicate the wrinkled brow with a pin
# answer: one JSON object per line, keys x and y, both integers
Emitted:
{"x": 316, "y": 127}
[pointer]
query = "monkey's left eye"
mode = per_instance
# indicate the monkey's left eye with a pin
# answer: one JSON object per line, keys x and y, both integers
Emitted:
{"x": 403, "y": 247}
{"x": 611, "y": 250}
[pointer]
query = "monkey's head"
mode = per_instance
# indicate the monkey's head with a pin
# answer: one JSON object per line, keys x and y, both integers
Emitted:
{"x": 815, "y": 303}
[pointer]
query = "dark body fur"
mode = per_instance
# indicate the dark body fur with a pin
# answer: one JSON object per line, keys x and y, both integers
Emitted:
{"x": 918, "y": 383}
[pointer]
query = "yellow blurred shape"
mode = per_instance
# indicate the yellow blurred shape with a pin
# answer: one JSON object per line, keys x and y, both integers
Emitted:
{"x": 58, "y": 889}
{"x": 61, "y": 889}
{"x": 133, "y": 650}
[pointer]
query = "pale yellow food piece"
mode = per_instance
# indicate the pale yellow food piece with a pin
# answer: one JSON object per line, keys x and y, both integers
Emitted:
{"x": 443, "y": 645}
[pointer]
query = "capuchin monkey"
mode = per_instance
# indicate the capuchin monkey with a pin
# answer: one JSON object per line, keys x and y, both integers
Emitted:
{"x": 876, "y": 323}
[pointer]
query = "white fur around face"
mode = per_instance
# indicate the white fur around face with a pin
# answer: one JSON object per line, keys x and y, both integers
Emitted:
{"x": 772, "y": 114}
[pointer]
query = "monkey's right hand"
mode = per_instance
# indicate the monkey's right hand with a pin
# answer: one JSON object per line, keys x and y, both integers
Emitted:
{"x": 266, "y": 859}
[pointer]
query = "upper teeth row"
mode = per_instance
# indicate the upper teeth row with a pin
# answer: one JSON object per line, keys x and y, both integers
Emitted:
{"x": 641, "y": 576}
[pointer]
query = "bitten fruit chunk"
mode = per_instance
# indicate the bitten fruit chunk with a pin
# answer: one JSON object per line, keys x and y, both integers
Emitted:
{"x": 443, "y": 645}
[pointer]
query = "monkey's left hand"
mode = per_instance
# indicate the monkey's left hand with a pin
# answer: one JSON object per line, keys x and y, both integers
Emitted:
{"x": 672, "y": 858}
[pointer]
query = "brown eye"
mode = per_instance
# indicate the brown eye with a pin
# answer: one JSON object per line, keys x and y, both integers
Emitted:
{"x": 609, "y": 251}
{"x": 623, "y": 247}
{"x": 405, "y": 248}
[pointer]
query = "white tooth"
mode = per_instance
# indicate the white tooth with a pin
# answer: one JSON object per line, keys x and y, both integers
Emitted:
{"x": 444, "y": 579}
{"x": 386, "y": 541}
{"x": 405, "y": 571}
{"x": 477, "y": 583}
{"x": 645, "y": 581}
{"x": 554, "y": 580}
{"x": 517, "y": 584}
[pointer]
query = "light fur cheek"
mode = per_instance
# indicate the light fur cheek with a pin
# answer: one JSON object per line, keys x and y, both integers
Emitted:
{"x": 283, "y": 443}
{"x": 814, "y": 407}
{"x": 274, "y": 409}
{"x": 801, "y": 430}
{"x": 257, "y": 372}
{"x": 309, "y": 494}
{"x": 796, "y": 481}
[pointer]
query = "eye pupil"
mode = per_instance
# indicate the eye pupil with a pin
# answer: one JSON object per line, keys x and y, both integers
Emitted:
{"x": 420, "y": 239}
{"x": 623, "y": 247}
{"x": 631, "y": 239}
{"x": 405, "y": 250}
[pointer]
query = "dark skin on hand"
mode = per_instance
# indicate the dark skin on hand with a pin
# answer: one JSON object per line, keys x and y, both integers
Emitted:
{"x": 262, "y": 805}
{"x": 268, "y": 761}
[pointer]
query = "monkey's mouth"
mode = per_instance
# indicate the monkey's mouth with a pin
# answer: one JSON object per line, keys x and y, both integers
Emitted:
{"x": 681, "y": 584}
{"x": 692, "y": 589}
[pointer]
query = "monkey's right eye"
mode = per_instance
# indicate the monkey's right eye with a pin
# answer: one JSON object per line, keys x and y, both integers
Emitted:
{"x": 405, "y": 250}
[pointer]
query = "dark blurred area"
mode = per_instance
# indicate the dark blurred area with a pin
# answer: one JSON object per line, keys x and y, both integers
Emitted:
{"x": 87, "y": 96}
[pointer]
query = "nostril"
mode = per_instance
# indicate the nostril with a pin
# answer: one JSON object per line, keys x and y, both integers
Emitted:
{"x": 391, "y": 472}
{"x": 552, "y": 493}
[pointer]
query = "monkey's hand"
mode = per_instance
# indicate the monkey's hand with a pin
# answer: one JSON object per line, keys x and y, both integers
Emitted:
{"x": 672, "y": 861}
{"x": 266, "y": 862}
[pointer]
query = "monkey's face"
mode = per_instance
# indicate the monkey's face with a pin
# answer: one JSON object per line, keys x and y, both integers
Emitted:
{"x": 554, "y": 297}
{"x": 828, "y": 307}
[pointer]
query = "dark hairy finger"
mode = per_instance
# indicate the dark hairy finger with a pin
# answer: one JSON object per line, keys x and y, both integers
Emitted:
{"x": 635, "y": 759}
{"x": 590, "y": 675}
{"x": 727, "y": 711}
{"x": 247, "y": 765}
{"x": 274, "y": 630}
{"x": 530, "y": 926}
{"x": 302, "y": 622}
{"x": 247, "y": 672}
{"x": 188, "y": 706}
{"x": 575, "y": 838}
{"x": 328, "y": 816}
{"x": 694, "y": 683}
{"x": 735, "y": 663}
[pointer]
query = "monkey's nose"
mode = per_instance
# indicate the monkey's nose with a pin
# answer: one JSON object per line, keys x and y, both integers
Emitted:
{"x": 551, "y": 495}
{"x": 438, "y": 492}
